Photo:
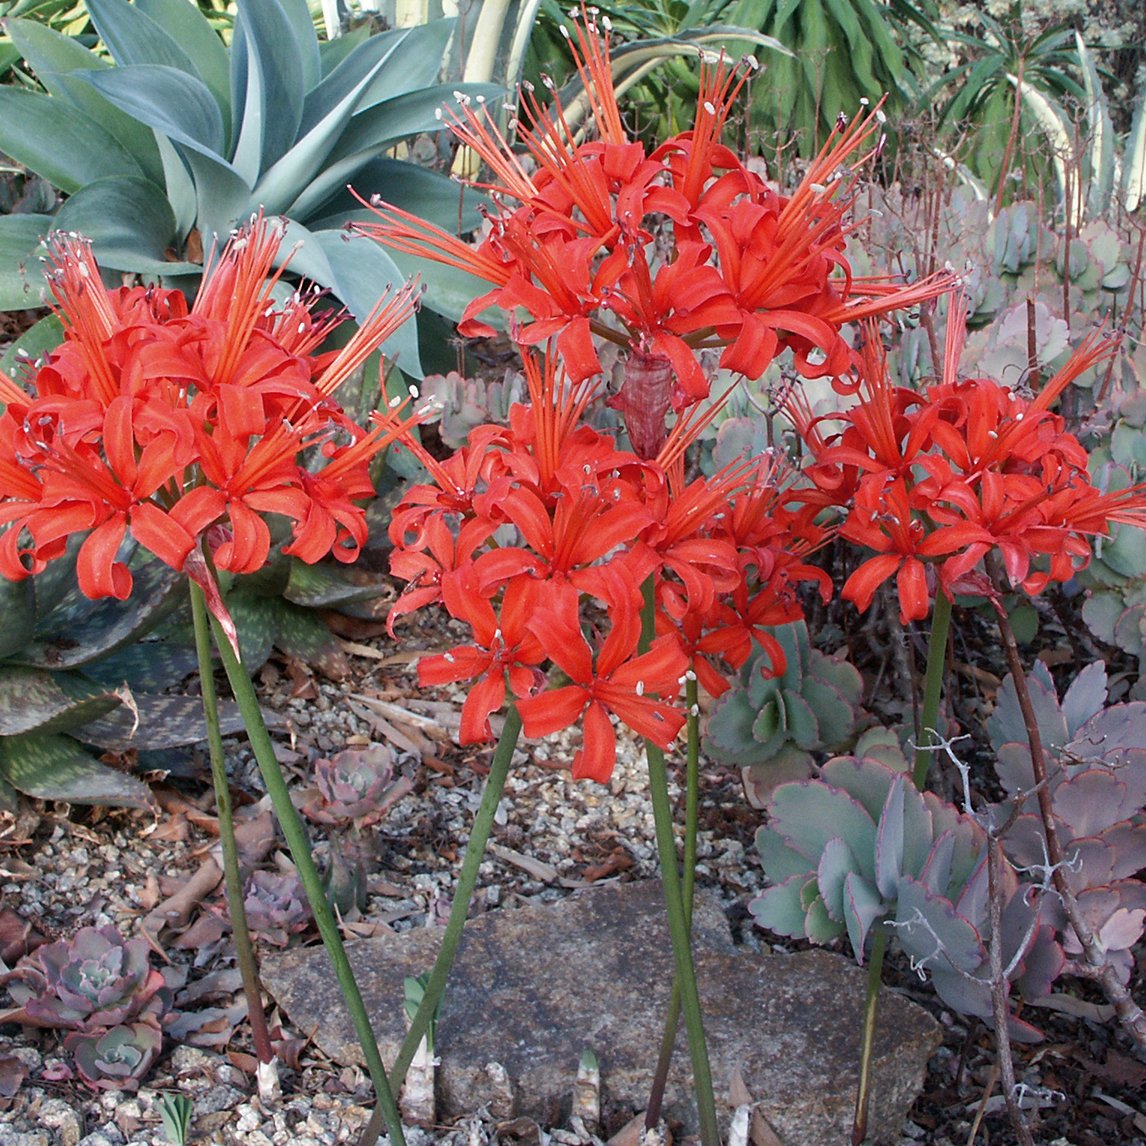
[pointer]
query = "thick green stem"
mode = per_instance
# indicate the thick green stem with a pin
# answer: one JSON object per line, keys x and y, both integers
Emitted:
{"x": 691, "y": 818}
{"x": 459, "y": 909}
{"x": 932, "y": 686}
{"x": 681, "y": 945}
{"x": 232, "y": 878}
{"x": 299, "y": 845}
{"x": 870, "y": 1015}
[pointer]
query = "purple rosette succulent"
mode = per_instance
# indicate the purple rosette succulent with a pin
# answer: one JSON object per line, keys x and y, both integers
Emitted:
{"x": 95, "y": 980}
{"x": 355, "y": 786}
{"x": 115, "y": 1059}
{"x": 276, "y": 906}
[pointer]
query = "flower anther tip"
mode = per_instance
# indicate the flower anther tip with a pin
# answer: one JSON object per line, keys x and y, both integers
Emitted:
{"x": 564, "y": 31}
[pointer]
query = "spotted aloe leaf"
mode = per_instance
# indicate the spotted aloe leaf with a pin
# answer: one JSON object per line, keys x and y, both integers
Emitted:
{"x": 49, "y": 766}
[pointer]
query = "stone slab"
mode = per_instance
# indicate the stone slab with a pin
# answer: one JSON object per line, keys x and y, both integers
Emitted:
{"x": 533, "y": 987}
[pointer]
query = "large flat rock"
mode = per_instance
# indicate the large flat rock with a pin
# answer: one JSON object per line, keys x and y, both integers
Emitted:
{"x": 534, "y": 987}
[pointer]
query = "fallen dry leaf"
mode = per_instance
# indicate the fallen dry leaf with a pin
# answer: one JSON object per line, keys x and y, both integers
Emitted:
{"x": 17, "y": 936}
{"x": 12, "y": 1074}
{"x": 175, "y": 911}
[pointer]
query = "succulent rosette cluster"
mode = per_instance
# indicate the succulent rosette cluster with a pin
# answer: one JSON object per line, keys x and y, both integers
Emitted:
{"x": 355, "y": 786}
{"x": 276, "y": 906}
{"x": 103, "y": 990}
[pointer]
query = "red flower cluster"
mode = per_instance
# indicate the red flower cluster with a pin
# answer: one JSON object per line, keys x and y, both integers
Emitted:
{"x": 664, "y": 253}
{"x": 170, "y": 421}
{"x": 535, "y": 533}
{"x": 963, "y": 468}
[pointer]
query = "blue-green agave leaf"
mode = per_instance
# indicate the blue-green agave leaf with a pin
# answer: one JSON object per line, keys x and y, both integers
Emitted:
{"x": 267, "y": 86}
{"x": 54, "y": 767}
{"x": 180, "y": 185}
{"x": 171, "y": 101}
{"x": 22, "y": 284}
{"x": 360, "y": 272}
{"x": 188, "y": 27}
{"x": 129, "y": 222}
{"x": 418, "y": 65}
{"x": 133, "y": 37}
{"x": 59, "y": 142}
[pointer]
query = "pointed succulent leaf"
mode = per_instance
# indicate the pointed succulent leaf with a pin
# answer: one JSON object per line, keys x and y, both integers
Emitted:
{"x": 257, "y": 620}
{"x": 779, "y": 860}
{"x": 129, "y": 222}
{"x": 56, "y": 59}
{"x": 17, "y": 618}
{"x": 1100, "y": 132}
{"x": 168, "y": 99}
{"x": 37, "y": 340}
{"x": 34, "y": 700}
{"x": 933, "y": 932}
{"x": 158, "y": 721}
{"x": 324, "y": 585}
{"x": 59, "y": 142}
{"x": 972, "y": 900}
{"x": 267, "y": 86}
{"x": 1085, "y": 697}
{"x": 811, "y": 813}
{"x": 133, "y": 37}
{"x": 186, "y": 25}
{"x": 1134, "y": 158}
{"x": 781, "y": 908}
{"x": 55, "y": 767}
{"x": 768, "y": 728}
{"x": 303, "y": 635}
{"x": 420, "y": 59}
{"x": 836, "y": 861}
{"x": 863, "y": 905}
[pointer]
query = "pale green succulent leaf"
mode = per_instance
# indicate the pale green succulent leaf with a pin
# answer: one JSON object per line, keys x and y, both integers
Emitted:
{"x": 169, "y": 100}
{"x": 129, "y": 222}
{"x": 862, "y": 906}
{"x": 1100, "y": 132}
{"x": 867, "y": 781}
{"x": 59, "y": 142}
{"x": 781, "y": 908}
{"x": 331, "y": 53}
{"x": 889, "y": 841}
{"x": 836, "y": 862}
{"x": 360, "y": 272}
{"x": 268, "y": 87}
{"x": 811, "y": 814}
{"x": 133, "y": 37}
{"x": 932, "y": 932}
{"x": 778, "y": 858}
{"x": 1134, "y": 159}
{"x": 46, "y": 335}
{"x": 819, "y": 926}
{"x": 417, "y": 65}
{"x": 55, "y": 767}
{"x": 405, "y": 115}
{"x": 188, "y": 27}
{"x": 22, "y": 284}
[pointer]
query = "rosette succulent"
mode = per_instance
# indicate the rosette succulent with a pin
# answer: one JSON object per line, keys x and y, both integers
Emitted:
{"x": 276, "y": 906}
{"x": 356, "y": 785}
{"x": 115, "y": 1059}
{"x": 93, "y": 981}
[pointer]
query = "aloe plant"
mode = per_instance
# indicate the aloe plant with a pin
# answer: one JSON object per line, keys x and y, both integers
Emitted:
{"x": 182, "y": 137}
{"x": 76, "y": 672}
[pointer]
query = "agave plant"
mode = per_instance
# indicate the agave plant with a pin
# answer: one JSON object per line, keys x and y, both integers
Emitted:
{"x": 860, "y": 849}
{"x": 770, "y": 723}
{"x": 166, "y": 149}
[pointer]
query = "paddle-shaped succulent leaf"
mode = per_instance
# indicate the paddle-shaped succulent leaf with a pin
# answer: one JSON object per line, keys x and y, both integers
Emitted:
{"x": 770, "y": 723}
{"x": 861, "y": 848}
{"x": 1096, "y": 776}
